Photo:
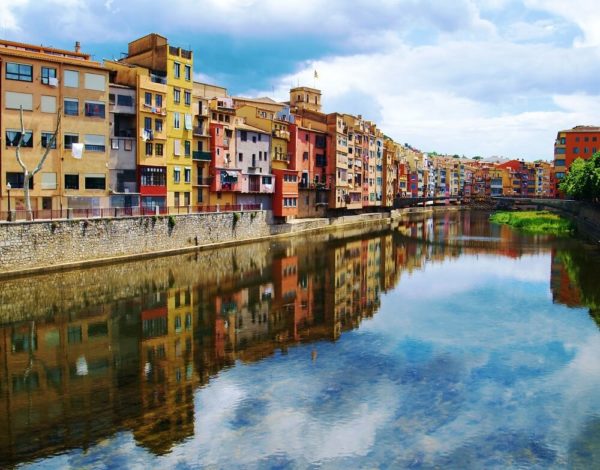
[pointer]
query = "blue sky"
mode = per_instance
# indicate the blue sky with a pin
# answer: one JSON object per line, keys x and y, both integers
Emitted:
{"x": 473, "y": 77}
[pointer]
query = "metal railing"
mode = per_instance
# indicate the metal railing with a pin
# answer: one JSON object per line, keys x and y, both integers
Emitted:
{"x": 116, "y": 212}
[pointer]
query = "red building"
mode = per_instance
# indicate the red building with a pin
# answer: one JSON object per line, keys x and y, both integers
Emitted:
{"x": 579, "y": 142}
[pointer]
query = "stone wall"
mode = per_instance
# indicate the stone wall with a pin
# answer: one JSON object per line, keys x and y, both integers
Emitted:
{"x": 33, "y": 245}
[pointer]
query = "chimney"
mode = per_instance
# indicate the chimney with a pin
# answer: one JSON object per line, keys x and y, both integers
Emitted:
{"x": 77, "y": 46}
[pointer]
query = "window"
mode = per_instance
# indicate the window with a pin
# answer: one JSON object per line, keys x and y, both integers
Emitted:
{"x": 158, "y": 100}
{"x": 95, "y": 81}
{"x": 158, "y": 125}
{"x": 150, "y": 176}
{"x": 48, "y": 180}
{"x": 176, "y": 120}
{"x": 71, "y": 139}
{"x": 125, "y": 100}
{"x": 586, "y": 139}
{"x": 128, "y": 144}
{"x": 594, "y": 139}
{"x": 560, "y": 175}
{"x": 158, "y": 148}
{"x": 71, "y": 181}
{"x": 559, "y": 151}
{"x": 307, "y": 137}
{"x": 266, "y": 180}
{"x": 148, "y": 149}
{"x": 305, "y": 156}
{"x": 243, "y": 136}
{"x": 19, "y": 100}
{"x": 148, "y": 98}
{"x": 576, "y": 139}
{"x": 176, "y": 174}
{"x": 187, "y": 148}
{"x": 147, "y": 123}
{"x": 585, "y": 150}
{"x": 176, "y": 69}
{"x": 94, "y": 143}
{"x": 321, "y": 161}
{"x": 187, "y": 96}
{"x": 21, "y": 72}
{"x": 188, "y": 72}
{"x": 47, "y": 138}
{"x": 95, "y": 109}
{"x": 177, "y": 147}
{"x": 241, "y": 157}
{"x": 254, "y": 138}
{"x": 13, "y": 137}
{"x": 95, "y": 181}
{"x": 187, "y": 175}
{"x": 71, "y": 78}
{"x": 575, "y": 149}
{"x": 16, "y": 180}
{"x": 48, "y": 104}
{"x": 111, "y": 98}
{"x": 114, "y": 144}
{"x": 71, "y": 107}
{"x": 47, "y": 74}
{"x": 176, "y": 96}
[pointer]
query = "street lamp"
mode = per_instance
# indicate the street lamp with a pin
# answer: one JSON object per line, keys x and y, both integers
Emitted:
{"x": 8, "y": 188}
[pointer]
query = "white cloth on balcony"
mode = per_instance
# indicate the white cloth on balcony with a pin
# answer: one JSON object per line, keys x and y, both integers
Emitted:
{"x": 77, "y": 151}
{"x": 53, "y": 81}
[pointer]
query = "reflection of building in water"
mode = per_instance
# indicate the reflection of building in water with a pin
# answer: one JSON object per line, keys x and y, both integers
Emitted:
{"x": 564, "y": 289}
{"x": 167, "y": 376}
{"x": 57, "y": 383}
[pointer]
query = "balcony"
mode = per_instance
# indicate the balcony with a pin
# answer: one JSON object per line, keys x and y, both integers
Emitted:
{"x": 201, "y": 156}
{"x": 200, "y": 131}
{"x": 203, "y": 181}
{"x": 158, "y": 79}
{"x": 281, "y": 134}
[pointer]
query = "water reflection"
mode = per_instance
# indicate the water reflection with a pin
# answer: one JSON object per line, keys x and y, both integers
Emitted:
{"x": 97, "y": 352}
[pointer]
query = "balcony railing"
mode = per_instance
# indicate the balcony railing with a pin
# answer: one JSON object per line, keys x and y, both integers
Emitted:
{"x": 206, "y": 181}
{"x": 201, "y": 156}
{"x": 200, "y": 131}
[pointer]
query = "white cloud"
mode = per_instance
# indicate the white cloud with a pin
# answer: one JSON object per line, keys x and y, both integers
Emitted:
{"x": 583, "y": 13}
{"x": 474, "y": 98}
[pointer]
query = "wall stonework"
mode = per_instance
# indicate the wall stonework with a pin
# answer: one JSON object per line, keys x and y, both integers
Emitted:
{"x": 29, "y": 245}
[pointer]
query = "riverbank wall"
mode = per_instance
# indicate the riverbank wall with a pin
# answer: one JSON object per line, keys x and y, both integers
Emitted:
{"x": 44, "y": 246}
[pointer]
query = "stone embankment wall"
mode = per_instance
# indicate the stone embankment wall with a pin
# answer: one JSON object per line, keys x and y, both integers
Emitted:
{"x": 29, "y": 245}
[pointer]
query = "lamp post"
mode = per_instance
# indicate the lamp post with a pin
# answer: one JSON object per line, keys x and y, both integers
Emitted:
{"x": 8, "y": 188}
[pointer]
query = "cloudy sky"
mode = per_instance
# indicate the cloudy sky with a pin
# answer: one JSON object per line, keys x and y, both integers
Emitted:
{"x": 471, "y": 77}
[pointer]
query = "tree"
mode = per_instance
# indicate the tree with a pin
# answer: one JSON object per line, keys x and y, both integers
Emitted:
{"x": 583, "y": 179}
{"x": 27, "y": 175}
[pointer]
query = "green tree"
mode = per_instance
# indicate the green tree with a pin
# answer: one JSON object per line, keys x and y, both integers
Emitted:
{"x": 583, "y": 179}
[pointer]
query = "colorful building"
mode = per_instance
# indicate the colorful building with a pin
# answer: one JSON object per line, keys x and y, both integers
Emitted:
{"x": 45, "y": 82}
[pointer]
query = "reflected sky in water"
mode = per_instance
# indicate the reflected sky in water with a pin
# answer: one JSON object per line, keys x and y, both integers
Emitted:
{"x": 373, "y": 351}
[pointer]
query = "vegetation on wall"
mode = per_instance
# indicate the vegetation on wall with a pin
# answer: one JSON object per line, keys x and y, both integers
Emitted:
{"x": 540, "y": 222}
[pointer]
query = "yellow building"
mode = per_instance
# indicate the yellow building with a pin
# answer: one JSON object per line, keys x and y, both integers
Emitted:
{"x": 173, "y": 67}
{"x": 44, "y": 81}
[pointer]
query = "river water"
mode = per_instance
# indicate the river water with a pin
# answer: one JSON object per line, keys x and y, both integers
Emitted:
{"x": 446, "y": 342}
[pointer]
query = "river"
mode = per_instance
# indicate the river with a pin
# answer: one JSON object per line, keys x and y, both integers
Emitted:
{"x": 445, "y": 342}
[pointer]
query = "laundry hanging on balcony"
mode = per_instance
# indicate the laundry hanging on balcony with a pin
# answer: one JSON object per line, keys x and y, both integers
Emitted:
{"x": 146, "y": 134}
{"x": 77, "y": 151}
